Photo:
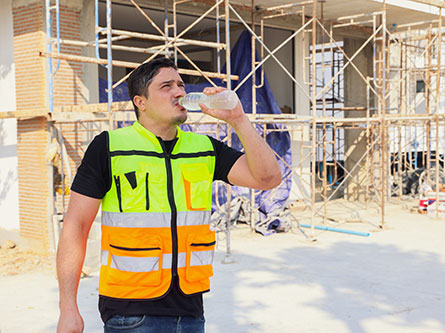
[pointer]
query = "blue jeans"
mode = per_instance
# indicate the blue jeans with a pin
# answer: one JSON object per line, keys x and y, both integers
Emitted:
{"x": 155, "y": 324}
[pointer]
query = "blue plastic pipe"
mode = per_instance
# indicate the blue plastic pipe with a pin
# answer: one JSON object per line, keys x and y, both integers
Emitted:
{"x": 345, "y": 231}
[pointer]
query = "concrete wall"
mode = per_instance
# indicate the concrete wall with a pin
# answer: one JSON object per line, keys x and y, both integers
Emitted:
{"x": 300, "y": 134}
{"x": 355, "y": 96}
{"x": 8, "y": 127}
{"x": 90, "y": 75}
{"x": 279, "y": 81}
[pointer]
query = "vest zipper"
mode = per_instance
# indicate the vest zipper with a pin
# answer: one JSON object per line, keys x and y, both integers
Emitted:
{"x": 171, "y": 200}
{"x": 118, "y": 190}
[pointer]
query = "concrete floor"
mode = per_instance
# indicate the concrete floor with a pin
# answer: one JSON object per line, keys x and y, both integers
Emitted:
{"x": 392, "y": 281}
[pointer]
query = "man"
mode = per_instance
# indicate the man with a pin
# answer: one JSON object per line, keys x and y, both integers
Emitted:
{"x": 154, "y": 183}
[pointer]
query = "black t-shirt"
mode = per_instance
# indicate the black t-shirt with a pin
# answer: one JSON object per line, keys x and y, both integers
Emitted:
{"x": 93, "y": 179}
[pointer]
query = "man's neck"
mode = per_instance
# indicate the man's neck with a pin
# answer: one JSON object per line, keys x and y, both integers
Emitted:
{"x": 165, "y": 132}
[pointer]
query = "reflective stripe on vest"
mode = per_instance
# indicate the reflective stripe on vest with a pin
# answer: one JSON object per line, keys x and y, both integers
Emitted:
{"x": 154, "y": 220}
{"x": 134, "y": 264}
{"x": 156, "y": 215}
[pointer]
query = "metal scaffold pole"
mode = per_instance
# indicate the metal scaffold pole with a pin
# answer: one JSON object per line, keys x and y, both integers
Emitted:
{"x": 109, "y": 67}
{"x": 437, "y": 154}
{"x": 383, "y": 106}
{"x": 228, "y": 257}
{"x": 314, "y": 115}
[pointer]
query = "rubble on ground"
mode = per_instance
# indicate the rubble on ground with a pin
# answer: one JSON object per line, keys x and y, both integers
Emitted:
{"x": 14, "y": 260}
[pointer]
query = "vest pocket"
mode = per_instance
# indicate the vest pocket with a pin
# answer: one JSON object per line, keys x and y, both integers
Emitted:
{"x": 200, "y": 252}
{"x": 132, "y": 190}
{"x": 197, "y": 185}
{"x": 136, "y": 264}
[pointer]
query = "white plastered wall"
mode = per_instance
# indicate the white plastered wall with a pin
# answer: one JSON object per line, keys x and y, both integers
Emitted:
{"x": 300, "y": 134}
{"x": 8, "y": 127}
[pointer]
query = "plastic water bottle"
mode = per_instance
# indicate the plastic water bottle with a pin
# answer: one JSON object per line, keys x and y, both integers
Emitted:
{"x": 226, "y": 99}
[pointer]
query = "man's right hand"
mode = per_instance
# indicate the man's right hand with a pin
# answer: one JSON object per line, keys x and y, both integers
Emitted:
{"x": 70, "y": 322}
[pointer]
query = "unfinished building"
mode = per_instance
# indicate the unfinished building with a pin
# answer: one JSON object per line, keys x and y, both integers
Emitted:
{"x": 355, "y": 90}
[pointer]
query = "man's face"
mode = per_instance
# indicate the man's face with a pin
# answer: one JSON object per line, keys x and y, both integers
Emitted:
{"x": 163, "y": 95}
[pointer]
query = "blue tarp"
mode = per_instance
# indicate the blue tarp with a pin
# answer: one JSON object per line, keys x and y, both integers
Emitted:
{"x": 266, "y": 104}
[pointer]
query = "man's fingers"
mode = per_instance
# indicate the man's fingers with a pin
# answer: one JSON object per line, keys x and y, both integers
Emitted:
{"x": 205, "y": 109}
{"x": 213, "y": 90}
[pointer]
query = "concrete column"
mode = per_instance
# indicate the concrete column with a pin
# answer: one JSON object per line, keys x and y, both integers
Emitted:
{"x": 355, "y": 96}
{"x": 300, "y": 134}
{"x": 90, "y": 72}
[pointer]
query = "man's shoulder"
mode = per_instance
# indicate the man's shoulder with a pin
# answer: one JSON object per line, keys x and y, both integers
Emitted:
{"x": 196, "y": 142}
{"x": 121, "y": 131}
{"x": 195, "y": 136}
{"x": 100, "y": 139}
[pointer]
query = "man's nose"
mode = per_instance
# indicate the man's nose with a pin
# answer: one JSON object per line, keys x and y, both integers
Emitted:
{"x": 179, "y": 91}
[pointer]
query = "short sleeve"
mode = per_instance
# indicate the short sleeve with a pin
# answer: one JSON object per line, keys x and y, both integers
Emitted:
{"x": 225, "y": 159}
{"x": 93, "y": 177}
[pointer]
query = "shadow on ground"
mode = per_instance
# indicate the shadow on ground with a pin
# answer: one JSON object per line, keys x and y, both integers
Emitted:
{"x": 353, "y": 285}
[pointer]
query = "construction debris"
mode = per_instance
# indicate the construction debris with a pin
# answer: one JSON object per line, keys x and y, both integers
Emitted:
{"x": 9, "y": 244}
{"x": 15, "y": 261}
{"x": 279, "y": 220}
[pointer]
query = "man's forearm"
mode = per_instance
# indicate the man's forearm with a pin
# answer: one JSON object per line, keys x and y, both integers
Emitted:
{"x": 70, "y": 257}
{"x": 261, "y": 159}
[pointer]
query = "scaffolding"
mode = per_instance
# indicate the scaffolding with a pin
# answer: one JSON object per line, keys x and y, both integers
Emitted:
{"x": 393, "y": 135}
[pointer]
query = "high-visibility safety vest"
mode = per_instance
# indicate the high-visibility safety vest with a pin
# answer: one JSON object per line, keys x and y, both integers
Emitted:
{"x": 156, "y": 215}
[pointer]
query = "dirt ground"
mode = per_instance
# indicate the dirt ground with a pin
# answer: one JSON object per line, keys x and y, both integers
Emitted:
{"x": 15, "y": 261}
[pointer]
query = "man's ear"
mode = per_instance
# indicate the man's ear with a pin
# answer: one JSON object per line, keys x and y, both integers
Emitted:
{"x": 140, "y": 102}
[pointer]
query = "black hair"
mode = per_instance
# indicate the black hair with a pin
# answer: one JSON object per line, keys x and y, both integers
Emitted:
{"x": 142, "y": 76}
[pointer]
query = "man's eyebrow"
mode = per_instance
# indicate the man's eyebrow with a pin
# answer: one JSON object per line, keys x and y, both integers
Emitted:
{"x": 170, "y": 81}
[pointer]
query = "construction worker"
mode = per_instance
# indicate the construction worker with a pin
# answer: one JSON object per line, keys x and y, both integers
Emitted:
{"x": 154, "y": 182}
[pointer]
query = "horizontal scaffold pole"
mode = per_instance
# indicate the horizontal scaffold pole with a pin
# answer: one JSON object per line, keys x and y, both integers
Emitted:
{"x": 127, "y": 64}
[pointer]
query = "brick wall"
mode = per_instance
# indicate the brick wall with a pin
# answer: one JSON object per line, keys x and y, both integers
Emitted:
{"x": 68, "y": 79}
{"x": 33, "y": 183}
{"x": 34, "y": 134}
{"x": 29, "y": 67}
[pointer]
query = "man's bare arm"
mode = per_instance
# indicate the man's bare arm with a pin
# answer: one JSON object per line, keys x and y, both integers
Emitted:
{"x": 80, "y": 215}
{"x": 257, "y": 169}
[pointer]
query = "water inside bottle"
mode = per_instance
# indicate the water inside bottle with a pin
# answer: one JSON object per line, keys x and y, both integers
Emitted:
{"x": 226, "y": 99}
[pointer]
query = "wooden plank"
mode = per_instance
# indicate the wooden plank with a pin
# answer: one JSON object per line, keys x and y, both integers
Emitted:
{"x": 98, "y": 107}
{"x": 26, "y": 113}
{"x": 437, "y": 3}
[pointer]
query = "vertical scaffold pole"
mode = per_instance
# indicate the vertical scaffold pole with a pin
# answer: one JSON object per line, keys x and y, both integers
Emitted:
{"x": 324, "y": 126}
{"x": 228, "y": 258}
{"x": 382, "y": 118}
{"x": 438, "y": 73}
{"x": 314, "y": 115}
{"x": 252, "y": 191}
{"x": 427, "y": 105}
{"x": 218, "y": 40}
{"x": 49, "y": 34}
{"x": 109, "y": 66}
